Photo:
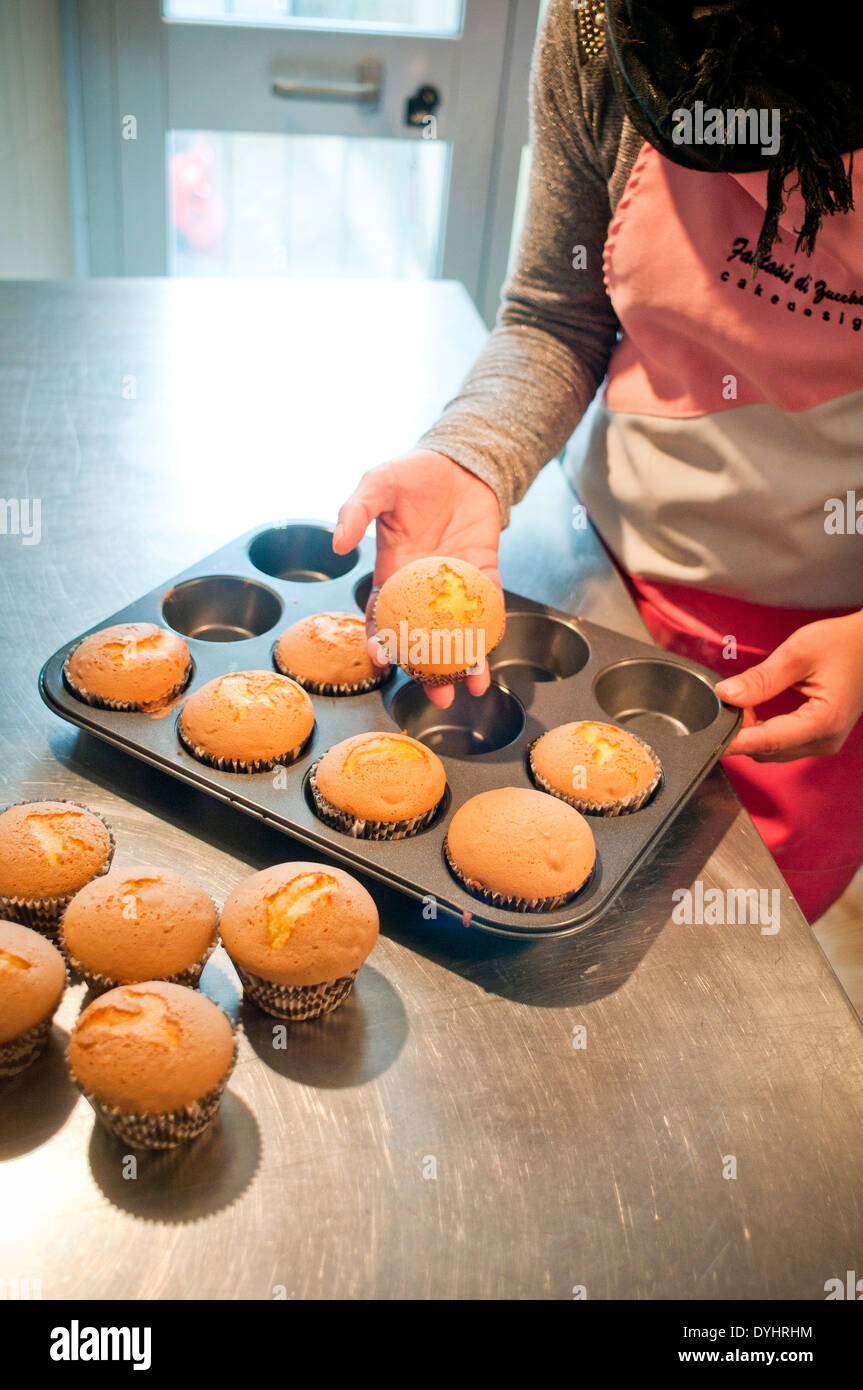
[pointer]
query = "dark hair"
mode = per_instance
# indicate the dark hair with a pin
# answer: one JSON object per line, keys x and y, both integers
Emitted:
{"x": 665, "y": 56}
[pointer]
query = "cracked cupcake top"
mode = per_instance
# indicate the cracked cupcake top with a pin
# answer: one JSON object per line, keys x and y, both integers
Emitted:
{"x": 594, "y": 762}
{"x": 327, "y": 649}
{"x": 151, "y": 1048}
{"x": 139, "y": 924}
{"x": 32, "y": 979}
{"x": 132, "y": 663}
{"x": 381, "y": 777}
{"x": 300, "y": 924}
{"x": 50, "y": 848}
{"x": 248, "y": 716}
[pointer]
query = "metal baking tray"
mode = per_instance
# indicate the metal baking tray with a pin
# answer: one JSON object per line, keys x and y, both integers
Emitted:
{"x": 549, "y": 668}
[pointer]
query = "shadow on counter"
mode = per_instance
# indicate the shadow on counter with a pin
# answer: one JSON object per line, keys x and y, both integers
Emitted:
{"x": 355, "y": 1043}
{"x": 37, "y": 1102}
{"x": 176, "y": 1186}
{"x": 553, "y": 972}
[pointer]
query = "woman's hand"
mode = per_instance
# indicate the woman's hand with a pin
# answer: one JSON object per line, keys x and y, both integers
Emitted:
{"x": 425, "y": 505}
{"x": 824, "y": 661}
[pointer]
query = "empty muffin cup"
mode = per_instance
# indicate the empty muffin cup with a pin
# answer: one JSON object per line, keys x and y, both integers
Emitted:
{"x": 469, "y": 726}
{"x": 300, "y": 552}
{"x": 221, "y": 608}
{"x": 535, "y": 649}
{"x": 656, "y": 696}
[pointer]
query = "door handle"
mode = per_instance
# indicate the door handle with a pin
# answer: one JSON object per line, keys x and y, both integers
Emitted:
{"x": 366, "y": 90}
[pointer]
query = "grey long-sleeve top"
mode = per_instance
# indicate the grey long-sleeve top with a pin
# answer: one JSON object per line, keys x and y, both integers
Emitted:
{"x": 549, "y": 350}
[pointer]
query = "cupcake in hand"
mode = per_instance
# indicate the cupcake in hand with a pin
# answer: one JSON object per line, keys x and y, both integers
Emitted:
{"x": 32, "y": 981}
{"x": 153, "y": 1060}
{"x": 139, "y": 924}
{"x": 439, "y": 618}
{"x": 298, "y": 934}
{"x": 48, "y": 850}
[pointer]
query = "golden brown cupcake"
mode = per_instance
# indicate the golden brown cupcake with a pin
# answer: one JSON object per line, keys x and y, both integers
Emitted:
{"x": 131, "y": 666}
{"x": 596, "y": 767}
{"x": 32, "y": 981}
{"x": 298, "y": 934}
{"x": 437, "y": 618}
{"x": 247, "y": 721}
{"x": 139, "y": 924}
{"x": 378, "y": 786}
{"x": 519, "y": 848}
{"x": 48, "y": 850}
{"x": 153, "y": 1060}
{"x": 327, "y": 653}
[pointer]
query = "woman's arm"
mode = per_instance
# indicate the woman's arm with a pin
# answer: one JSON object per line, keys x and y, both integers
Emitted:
{"x": 556, "y": 328}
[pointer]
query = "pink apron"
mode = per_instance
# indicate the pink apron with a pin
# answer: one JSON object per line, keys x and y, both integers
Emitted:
{"x": 677, "y": 268}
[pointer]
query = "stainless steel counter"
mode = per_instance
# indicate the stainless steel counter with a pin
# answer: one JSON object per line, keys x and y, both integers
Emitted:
{"x": 439, "y": 1136}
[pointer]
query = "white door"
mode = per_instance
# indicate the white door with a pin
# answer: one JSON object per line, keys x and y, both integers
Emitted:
{"x": 373, "y": 138}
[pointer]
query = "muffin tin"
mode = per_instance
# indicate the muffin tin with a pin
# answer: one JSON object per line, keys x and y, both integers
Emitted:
{"x": 549, "y": 668}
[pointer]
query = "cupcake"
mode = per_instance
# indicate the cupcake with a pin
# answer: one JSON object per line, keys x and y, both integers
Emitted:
{"x": 48, "y": 850}
{"x": 247, "y": 722}
{"x": 438, "y": 618}
{"x": 328, "y": 654}
{"x": 131, "y": 666}
{"x": 32, "y": 981}
{"x": 298, "y": 934}
{"x": 597, "y": 768}
{"x": 378, "y": 786}
{"x": 142, "y": 924}
{"x": 153, "y": 1060}
{"x": 519, "y": 848}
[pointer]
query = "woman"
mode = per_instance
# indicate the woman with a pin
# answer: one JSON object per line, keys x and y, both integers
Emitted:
{"x": 691, "y": 240}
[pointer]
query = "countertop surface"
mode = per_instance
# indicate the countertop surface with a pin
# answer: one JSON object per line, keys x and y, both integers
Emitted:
{"x": 646, "y": 1110}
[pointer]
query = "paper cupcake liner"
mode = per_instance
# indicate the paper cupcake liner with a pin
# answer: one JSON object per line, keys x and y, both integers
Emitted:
{"x": 44, "y": 914}
{"x": 329, "y": 687}
{"x": 100, "y": 984}
{"x": 295, "y": 1002}
{"x": 622, "y": 807}
{"x": 238, "y": 764}
{"x": 501, "y": 900}
{"x": 366, "y": 829}
{"x": 166, "y": 1130}
{"x": 122, "y": 706}
{"x": 18, "y": 1053}
{"x": 433, "y": 679}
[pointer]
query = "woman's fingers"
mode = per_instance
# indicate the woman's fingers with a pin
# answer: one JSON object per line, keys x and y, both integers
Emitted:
{"x": 440, "y": 695}
{"x": 375, "y": 493}
{"x": 806, "y": 732}
{"x": 781, "y": 669}
{"x": 479, "y": 680}
{"x": 375, "y": 649}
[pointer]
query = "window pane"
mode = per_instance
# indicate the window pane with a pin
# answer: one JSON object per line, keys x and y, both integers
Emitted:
{"x": 305, "y": 205}
{"x": 416, "y": 16}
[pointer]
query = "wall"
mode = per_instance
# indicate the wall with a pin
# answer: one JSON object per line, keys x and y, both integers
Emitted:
{"x": 35, "y": 239}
